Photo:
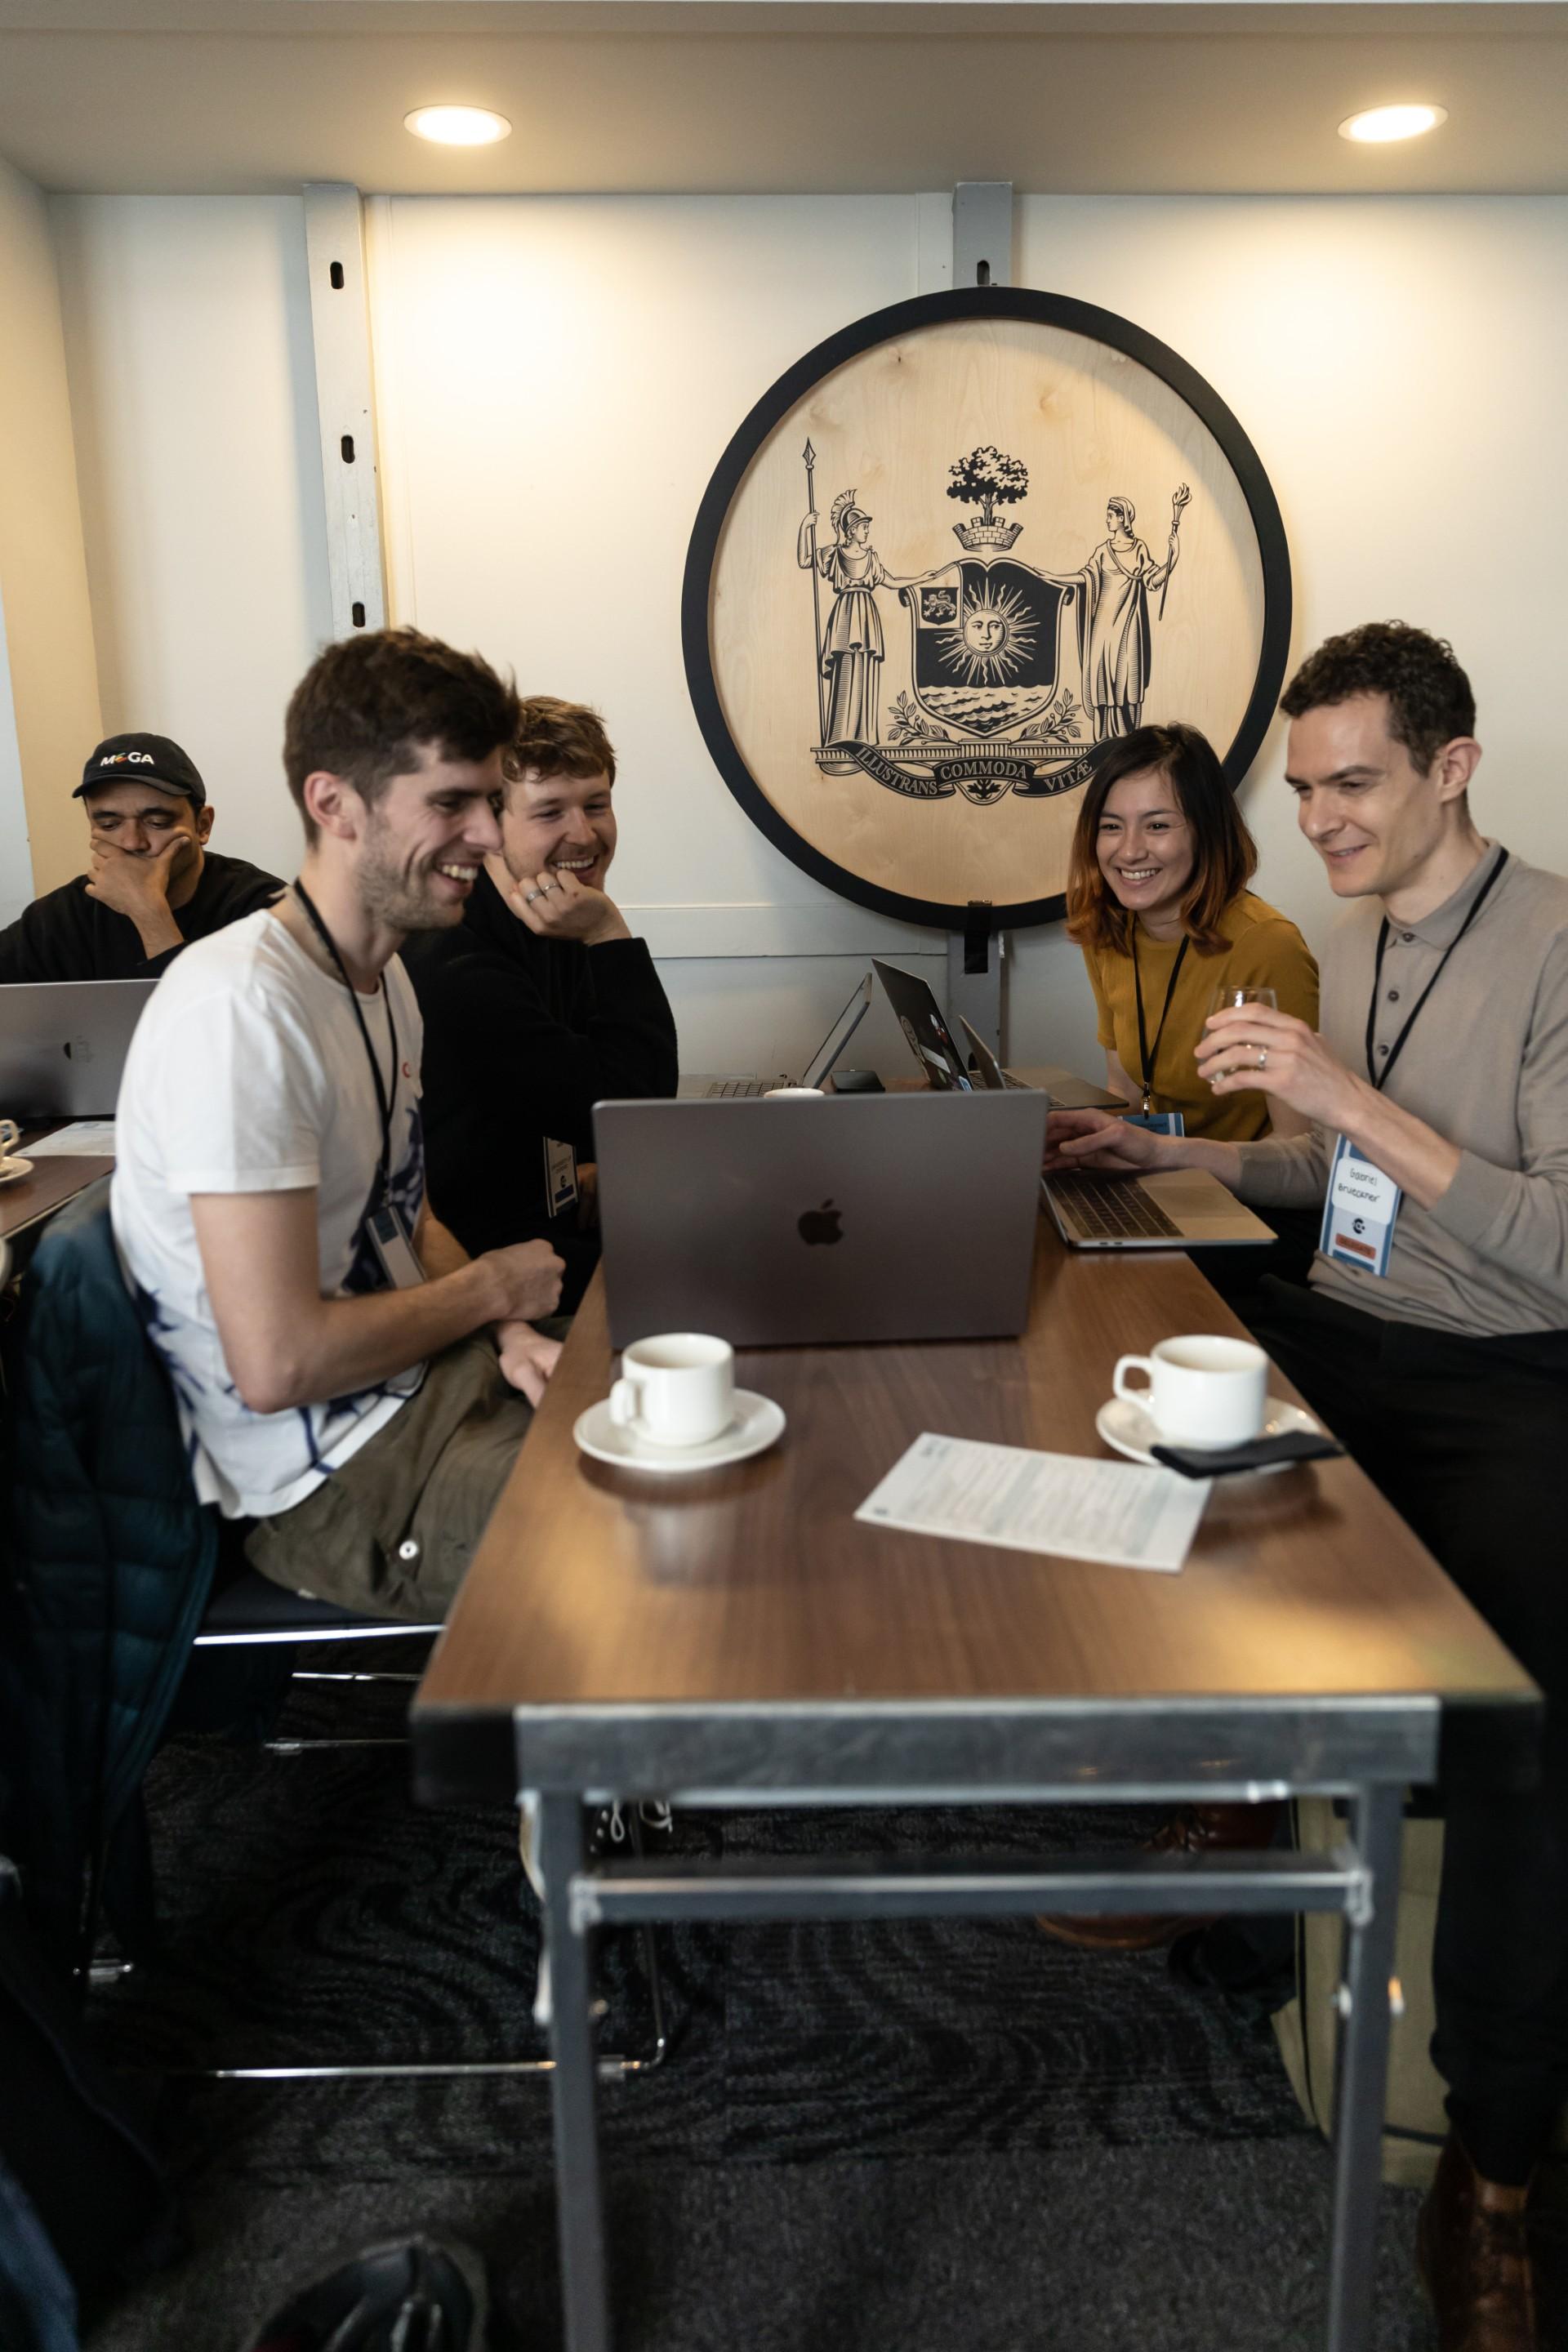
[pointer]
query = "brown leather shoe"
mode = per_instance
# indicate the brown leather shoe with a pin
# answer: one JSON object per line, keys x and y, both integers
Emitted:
{"x": 1475, "y": 2260}
{"x": 1197, "y": 1829}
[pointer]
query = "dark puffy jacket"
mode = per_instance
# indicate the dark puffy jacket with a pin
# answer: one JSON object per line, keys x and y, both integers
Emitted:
{"x": 106, "y": 1566}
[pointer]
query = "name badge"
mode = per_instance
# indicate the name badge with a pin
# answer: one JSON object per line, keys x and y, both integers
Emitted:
{"x": 1360, "y": 1212}
{"x": 395, "y": 1251}
{"x": 560, "y": 1176}
{"x": 1158, "y": 1122}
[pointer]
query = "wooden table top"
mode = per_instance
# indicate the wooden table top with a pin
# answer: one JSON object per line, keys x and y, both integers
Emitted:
{"x": 755, "y": 1585}
{"x": 53, "y": 1181}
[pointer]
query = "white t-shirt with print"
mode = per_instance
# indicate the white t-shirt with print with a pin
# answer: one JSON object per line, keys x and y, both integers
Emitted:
{"x": 247, "y": 1073}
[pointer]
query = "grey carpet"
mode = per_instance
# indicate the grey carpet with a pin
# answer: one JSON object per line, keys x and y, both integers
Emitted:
{"x": 935, "y": 2134}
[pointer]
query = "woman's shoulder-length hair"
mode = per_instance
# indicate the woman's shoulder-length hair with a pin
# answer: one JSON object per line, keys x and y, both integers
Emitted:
{"x": 1224, "y": 855}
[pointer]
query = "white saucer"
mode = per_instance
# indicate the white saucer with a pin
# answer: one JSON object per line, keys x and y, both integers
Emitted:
{"x": 13, "y": 1170}
{"x": 758, "y": 1424}
{"x": 1128, "y": 1428}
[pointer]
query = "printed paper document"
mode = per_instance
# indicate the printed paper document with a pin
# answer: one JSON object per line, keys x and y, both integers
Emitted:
{"x": 1113, "y": 1512}
{"x": 93, "y": 1137}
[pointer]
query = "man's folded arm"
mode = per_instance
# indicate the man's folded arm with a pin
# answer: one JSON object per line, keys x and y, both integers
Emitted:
{"x": 286, "y": 1345}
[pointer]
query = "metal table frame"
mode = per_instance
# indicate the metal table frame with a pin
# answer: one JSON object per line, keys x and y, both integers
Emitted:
{"x": 1366, "y": 1750}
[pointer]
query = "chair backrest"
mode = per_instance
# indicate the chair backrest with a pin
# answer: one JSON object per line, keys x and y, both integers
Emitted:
{"x": 110, "y": 1556}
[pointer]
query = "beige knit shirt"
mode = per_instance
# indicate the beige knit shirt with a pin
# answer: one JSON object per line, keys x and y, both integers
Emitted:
{"x": 1486, "y": 1067}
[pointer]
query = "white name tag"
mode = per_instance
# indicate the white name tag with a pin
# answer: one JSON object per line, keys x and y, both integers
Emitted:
{"x": 395, "y": 1251}
{"x": 560, "y": 1176}
{"x": 1360, "y": 1212}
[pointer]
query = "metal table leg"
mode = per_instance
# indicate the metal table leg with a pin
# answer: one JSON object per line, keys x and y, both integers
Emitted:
{"x": 579, "y": 2207}
{"x": 1361, "y": 2074}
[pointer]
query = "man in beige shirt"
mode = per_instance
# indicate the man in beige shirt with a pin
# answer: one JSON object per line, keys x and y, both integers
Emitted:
{"x": 1435, "y": 1346}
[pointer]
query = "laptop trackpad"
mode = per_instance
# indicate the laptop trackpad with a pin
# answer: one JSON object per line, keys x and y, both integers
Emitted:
{"x": 1200, "y": 1204}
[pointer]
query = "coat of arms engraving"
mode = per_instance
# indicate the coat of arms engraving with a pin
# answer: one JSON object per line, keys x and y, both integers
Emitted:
{"x": 1014, "y": 675}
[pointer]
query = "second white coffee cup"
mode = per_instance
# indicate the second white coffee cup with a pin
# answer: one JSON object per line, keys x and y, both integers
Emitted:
{"x": 1200, "y": 1390}
{"x": 677, "y": 1389}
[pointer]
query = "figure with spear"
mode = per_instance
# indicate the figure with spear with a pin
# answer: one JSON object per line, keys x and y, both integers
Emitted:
{"x": 850, "y": 649}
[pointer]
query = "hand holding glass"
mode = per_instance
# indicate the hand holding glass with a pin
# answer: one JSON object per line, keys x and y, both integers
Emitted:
{"x": 1228, "y": 997}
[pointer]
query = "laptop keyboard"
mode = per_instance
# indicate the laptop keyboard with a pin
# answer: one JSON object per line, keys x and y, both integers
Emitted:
{"x": 1113, "y": 1208}
{"x": 739, "y": 1087}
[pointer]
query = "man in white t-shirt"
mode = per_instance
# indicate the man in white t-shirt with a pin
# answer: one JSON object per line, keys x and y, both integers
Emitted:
{"x": 346, "y": 1376}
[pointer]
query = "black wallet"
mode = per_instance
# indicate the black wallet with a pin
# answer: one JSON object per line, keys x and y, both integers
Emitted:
{"x": 1258, "y": 1453}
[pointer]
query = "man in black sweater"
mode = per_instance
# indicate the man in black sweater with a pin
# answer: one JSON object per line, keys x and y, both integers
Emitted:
{"x": 537, "y": 1005}
{"x": 154, "y": 885}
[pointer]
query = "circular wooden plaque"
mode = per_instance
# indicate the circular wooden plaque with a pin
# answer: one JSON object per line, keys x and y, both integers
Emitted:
{"x": 956, "y": 547}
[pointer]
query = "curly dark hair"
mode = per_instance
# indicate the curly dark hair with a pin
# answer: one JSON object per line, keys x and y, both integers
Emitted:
{"x": 368, "y": 705}
{"x": 1429, "y": 697}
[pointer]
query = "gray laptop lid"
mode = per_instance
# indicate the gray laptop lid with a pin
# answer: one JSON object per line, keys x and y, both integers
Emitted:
{"x": 63, "y": 1044}
{"x": 698, "y": 1082}
{"x": 857, "y": 1217}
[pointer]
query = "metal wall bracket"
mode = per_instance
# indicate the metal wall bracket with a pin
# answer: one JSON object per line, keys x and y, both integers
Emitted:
{"x": 982, "y": 256}
{"x": 345, "y": 404}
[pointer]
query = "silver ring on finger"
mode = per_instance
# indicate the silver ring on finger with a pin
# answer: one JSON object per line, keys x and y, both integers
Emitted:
{"x": 529, "y": 897}
{"x": 1263, "y": 1057}
{"x": 547, "y": 890}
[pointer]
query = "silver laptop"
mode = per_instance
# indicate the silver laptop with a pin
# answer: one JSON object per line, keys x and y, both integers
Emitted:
{"x": 805, "y": 1222}
{"x": 710, "y": 1085}
{"x": 1066, "y": 1091}
{"x": 1185, "y": 1208}
{"x": 63, "y": 1044}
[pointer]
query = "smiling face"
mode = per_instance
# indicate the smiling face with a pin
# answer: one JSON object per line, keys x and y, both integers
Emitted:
{"x": 558, "y": 823}
{"x": 1372, "y": 816}
{"x": 424, "y": 839}
{"x": 140, "y": 820}
{"x": 1144, "y": 846}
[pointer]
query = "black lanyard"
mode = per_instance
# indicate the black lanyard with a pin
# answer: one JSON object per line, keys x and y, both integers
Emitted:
{"x": 1380, "y": 1077}
{"x": 1147, "y": 1059}
{"x": 383, "y": 1101}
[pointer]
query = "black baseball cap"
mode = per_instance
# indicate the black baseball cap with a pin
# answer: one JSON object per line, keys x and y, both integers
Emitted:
{"x": 145, "y": 760}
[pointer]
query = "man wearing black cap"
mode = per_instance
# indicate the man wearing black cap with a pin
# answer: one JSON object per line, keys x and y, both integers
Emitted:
{"x": 153, "y": 886}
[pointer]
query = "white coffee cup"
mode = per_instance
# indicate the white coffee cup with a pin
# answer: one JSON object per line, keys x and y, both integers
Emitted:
{"x": 781, "y": 1094}
{"x": 677, "y": 1389}
{"x": 10, "y": 1136}
{"x": 1200, "y": 1390}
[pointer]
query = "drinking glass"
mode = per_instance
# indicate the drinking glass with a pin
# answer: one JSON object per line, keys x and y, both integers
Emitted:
{"x": 1222, "y": 998}
{"x": 1225, "y": 996}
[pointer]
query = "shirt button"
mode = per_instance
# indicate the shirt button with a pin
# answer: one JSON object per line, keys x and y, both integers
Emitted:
{"x": 1407, "y": 937}
{"x": 1383, "y": 1049}
{"x": 1393, "y": 996}
{"x": 408, "y": 1548}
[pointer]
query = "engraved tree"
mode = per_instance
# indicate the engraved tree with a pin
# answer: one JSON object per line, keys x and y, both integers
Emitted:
{"x": 989, "y": 478}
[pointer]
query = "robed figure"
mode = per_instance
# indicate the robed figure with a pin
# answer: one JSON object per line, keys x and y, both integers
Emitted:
{"x": 852, "y": 649}
{"x": 1113, "y": 615}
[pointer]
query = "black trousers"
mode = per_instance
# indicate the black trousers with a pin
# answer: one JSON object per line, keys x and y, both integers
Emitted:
{"x": 1469, "y": 1440}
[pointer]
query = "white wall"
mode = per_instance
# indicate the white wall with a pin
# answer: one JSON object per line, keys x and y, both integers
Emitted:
{"x": 48, "y": 689}
{"x": 193, "y": 388}
{"x": 558, "y": 377}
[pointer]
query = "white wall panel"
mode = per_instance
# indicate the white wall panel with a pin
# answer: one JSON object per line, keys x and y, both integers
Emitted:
{"x": 193, "y": 391}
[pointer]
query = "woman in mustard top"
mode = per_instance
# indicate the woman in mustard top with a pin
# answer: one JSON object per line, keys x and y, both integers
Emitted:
{"x": 1157, "y": 898}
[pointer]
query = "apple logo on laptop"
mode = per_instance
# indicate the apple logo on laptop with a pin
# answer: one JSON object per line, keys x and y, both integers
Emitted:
{"x": 821, "y": 1225}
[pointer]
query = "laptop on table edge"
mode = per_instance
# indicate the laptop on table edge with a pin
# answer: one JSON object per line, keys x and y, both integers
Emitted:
{"x": 63, "y": 1044}
{"x": 944, "y": 1064}
{"x": 710, "y": 1086}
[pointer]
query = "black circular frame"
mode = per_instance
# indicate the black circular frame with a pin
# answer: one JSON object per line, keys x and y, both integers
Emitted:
{"x": 881, "y": 327}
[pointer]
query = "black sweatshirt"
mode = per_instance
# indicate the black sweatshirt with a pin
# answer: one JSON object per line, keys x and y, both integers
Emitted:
{"x": 68, "y": 936}
{"x": 522, "y": 1037}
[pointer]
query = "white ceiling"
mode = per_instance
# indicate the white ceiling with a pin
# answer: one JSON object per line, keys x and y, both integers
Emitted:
{"x": 191, "y": 96}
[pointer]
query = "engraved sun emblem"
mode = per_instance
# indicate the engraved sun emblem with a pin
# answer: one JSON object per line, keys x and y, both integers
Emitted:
{"x": 993, "y": 638}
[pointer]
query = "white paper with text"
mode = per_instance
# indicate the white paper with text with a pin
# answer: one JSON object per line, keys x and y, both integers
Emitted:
{"x": 1112, "y": 1512}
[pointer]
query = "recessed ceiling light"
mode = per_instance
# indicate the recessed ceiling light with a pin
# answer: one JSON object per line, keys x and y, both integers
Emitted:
{"x": 457, "y": 126}
{"x": 1380, "y": 123}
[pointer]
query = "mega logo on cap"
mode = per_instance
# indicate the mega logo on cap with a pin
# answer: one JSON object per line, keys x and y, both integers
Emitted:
{"x": 136, "y": 758}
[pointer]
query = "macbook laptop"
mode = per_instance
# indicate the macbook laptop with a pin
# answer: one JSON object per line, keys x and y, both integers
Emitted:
{"x": 63, "y": 1044}
{"x": 1185, "y": 1208}
{"x": 860, "y": 1217}
{"x": 1066, "y": 1092}
{"x": 946, "y": 1064}
{"x": 823, "y": 1062}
